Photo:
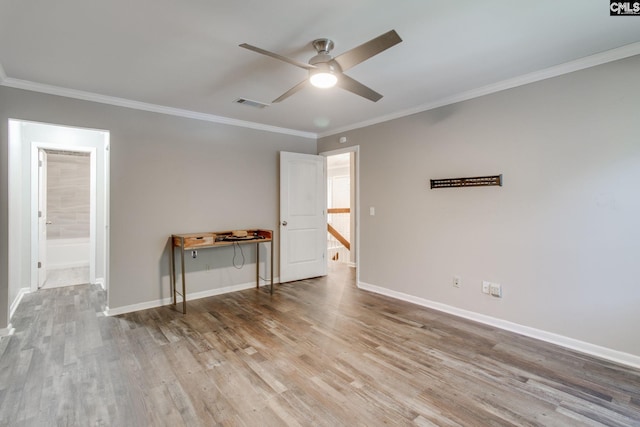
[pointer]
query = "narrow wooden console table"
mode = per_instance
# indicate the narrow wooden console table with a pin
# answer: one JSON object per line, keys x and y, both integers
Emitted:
{"x": 216, "y": 239}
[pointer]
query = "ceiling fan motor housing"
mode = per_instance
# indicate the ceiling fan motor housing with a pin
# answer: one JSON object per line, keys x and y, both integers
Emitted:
{"x": 325, "y": 62}
{"x": 322, "y": 45}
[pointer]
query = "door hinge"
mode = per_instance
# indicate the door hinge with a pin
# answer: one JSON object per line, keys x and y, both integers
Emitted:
{"x": 40, "y": 163}
{"x": 39, "y": 214}
{"x": 39, "y": 264}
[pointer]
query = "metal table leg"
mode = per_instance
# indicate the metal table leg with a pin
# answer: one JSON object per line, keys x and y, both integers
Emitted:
{"x": 172, "y": 273}
{"x": 184, "y": 293}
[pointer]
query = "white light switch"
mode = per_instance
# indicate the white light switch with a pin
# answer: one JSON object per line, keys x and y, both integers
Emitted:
{"x": 372, "y": 210}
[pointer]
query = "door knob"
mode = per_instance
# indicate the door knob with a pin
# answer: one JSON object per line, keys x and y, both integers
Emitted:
{"x": 284, "y": 223}
{"x": 49, "y": 222}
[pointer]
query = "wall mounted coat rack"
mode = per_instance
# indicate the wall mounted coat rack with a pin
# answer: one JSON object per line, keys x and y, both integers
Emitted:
{"x": 476, "y": 181}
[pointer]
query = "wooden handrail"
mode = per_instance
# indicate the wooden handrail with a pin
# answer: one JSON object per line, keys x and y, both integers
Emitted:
{"x": 338, "y": 210}
{"x": 339, "y": 237}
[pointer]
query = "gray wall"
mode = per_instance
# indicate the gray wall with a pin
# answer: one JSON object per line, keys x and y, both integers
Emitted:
{"x": 168, "y": 175}
{"x": 561, "y": 235}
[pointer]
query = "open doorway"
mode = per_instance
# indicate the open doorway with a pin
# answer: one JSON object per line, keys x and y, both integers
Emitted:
{"x": 32, "y": 146}
{"x": 339, "y": 216}
{"x": 342, "y": 206}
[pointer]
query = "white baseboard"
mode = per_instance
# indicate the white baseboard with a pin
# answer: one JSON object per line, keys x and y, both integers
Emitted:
{"x": 100, "y": 282}
{"x": 561, "y": 340}
{"x": 5, "y": 332}
{"x": 190, "y": 297}
{"x": 16, "y": 302}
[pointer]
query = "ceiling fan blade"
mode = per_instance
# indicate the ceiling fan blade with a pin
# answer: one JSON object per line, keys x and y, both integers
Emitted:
{"x": 354, "y": 86}
{"x": 276, "y": 56}
{"x": 291, "y": 91}
{"x": 366, "y": 50}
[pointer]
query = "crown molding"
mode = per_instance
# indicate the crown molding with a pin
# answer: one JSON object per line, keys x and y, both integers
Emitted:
{"x": 558, "y": 70}
{"x": 547, "y": 73}
{"x": 154, "y": 108}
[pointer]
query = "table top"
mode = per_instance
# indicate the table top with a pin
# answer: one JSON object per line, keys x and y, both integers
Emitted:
{"x": 220, "y": 238}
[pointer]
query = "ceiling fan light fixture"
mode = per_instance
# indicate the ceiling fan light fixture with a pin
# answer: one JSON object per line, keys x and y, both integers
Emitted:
{"x": 323, "y": 75}
{"x": 323, "y": 79}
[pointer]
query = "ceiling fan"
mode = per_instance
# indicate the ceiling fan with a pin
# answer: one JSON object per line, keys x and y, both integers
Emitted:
{"x": 326, "y": 71}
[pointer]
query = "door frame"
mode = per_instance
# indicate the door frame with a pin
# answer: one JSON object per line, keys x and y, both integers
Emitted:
{"x": 355, "y": 149}
{"x": 43, "y": 182}
{"x": 35, "y": 241}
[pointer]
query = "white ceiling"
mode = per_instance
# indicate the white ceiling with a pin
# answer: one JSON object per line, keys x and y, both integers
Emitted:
{"x": 184, "y": 55}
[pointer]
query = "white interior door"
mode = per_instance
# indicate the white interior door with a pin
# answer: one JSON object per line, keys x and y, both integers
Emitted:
{"x": 303, "y": 221}
{"x": 42, "y": 217}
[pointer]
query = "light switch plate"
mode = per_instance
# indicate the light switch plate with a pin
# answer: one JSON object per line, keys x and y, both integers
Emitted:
{"x": 495, "y": 290}
{"x": 485, "y": 287}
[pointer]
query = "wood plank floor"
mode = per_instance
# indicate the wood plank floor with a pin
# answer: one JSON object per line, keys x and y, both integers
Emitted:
{"x": 317, "y": 353}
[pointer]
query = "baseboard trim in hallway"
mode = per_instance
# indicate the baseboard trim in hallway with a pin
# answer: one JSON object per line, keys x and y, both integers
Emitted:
{"x": 5, "y": 332}
{"x": 16, "y": 302}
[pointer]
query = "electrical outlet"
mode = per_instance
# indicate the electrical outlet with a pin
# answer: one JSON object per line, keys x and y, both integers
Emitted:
{"x": 457, "y": 281}
{"x": 485, "y": 287}
{"x": 495, "y": 290}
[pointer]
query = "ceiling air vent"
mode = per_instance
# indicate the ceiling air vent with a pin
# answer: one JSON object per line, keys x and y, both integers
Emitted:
{"x": 250, "y": 103}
